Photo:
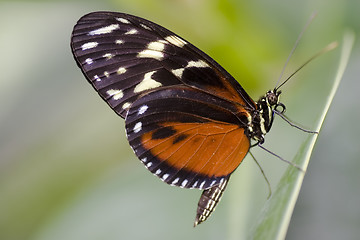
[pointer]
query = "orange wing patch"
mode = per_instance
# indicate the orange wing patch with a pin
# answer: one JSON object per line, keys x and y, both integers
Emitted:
{"x": 211, "y": 149}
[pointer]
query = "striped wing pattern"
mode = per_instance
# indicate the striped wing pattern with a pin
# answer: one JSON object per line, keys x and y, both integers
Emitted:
{"x": 123, "y": 56}
{"x": 185, "y": 115}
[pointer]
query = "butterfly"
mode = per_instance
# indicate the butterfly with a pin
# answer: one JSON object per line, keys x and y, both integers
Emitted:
{"x": 187, "y": 119}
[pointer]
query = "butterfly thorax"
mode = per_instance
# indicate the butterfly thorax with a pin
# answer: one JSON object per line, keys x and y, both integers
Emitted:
{"x": 262, "y": 117}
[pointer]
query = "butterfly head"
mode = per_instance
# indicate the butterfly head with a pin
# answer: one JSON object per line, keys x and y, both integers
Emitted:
{"x": 262, "y": 118}
{"x": 272, "y": 97}
{"x": 273, "y": 101}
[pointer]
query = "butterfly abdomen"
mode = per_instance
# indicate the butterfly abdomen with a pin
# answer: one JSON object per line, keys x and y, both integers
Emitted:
{"x": 208, "y": 201}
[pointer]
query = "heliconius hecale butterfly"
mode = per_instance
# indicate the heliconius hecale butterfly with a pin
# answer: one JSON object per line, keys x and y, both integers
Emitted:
{"x": 187, "y": 119}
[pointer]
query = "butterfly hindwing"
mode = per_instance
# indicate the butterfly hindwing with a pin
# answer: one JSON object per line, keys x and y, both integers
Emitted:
{"x": 124, "y": 56}
{"x": 186, "y": 137}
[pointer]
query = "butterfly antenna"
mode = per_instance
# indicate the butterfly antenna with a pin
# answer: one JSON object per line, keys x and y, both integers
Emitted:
{"x": 294, "y": 47}
{"x": 326, "y": 49}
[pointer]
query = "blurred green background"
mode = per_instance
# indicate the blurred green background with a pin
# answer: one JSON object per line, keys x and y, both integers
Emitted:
{"x": 67, "y": 171}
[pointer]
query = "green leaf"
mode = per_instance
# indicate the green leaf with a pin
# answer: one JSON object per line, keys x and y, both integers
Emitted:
{"x": 276, "y": 214}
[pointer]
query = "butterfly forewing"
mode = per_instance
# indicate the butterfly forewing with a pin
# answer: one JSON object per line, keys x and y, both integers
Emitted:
{"x": 123, "y": 56}
{"x": 186, "y": 137}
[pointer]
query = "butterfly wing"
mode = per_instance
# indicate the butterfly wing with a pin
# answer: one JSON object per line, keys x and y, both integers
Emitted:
{"x": 124, "y": 56}
{"x": 185, "y": 115}
{"x": 186, "y": 137}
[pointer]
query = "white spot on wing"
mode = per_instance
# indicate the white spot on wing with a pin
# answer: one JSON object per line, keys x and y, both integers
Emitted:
{"x": 106, "y": 74}
{"x": 131, "y": 31}
{"x": 126, "y": 105}
{"x": 89, "y": 45}
{"x": 165, "y": 176}
{"x": 137, "y": 127}
{"x": 96, "y": 77}
{"x": 158, "y": 172}
{"x": 175, "y": 40}
{"x": 123, "y": 20}
{"x": 151, "y": 54}
{"x": 104, "y": 30}
{"x": 178, "y": 72}
{"x": 108, "y": 56}
{"x": 153, "y": 50}
{"x": 199, "y": 64}
{"x": 147, "y": 83}
{"x": 175, "y": 181}
{"x": 89, "y": 61}
{"x": 121, "y": 70}
{"x": 183, "y": 184}
{"x": 119, "y": 41}
{"x": 116, "y": 94}
{"x": 144, "y": 26}
{"x": 144, "y": 160}
{"x": 202, "y": 184}
{"x": 158, "y": 45}
{"x": 149, "y": 164}
{"x": 142, "y": 109}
